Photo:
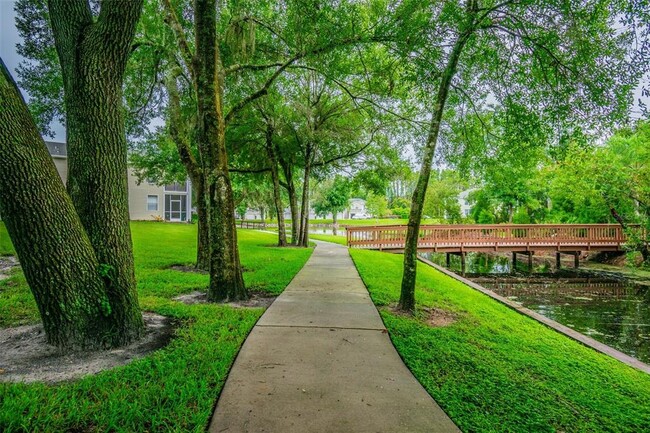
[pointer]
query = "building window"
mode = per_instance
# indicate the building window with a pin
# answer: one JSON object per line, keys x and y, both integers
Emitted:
{"x": 152, "y": 202}
{"x": 176, "y": 187}
{"x": 175, "y": 207}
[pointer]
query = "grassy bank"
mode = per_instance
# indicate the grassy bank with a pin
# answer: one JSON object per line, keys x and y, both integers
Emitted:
{"x": 494, "y": 370}
{"x": 175, "y": 388}
{"x": 641, "y": 275}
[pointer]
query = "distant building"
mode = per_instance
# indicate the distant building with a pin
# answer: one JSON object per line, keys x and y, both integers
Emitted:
{"x": 356, "y": 210}
{"x": 147, "y": 201}
{"x": 463, "y": 202}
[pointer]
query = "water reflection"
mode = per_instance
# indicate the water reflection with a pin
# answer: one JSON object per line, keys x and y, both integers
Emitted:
{"x": 615, "y": 312}
{"x": 324, "y": 230}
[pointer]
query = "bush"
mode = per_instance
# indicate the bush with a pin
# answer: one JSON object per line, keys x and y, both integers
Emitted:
{"x": 401, "y": 212}
{"x": 485, "y": 217}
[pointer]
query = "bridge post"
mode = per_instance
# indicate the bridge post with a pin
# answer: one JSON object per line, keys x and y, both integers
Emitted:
{"x": 558, "y": 262}
{"x": 576, "y": 259}
{"x": 530, "y": 261}
{"x": 514, "y": 261}
{"x": 462, "y": 262}
{"x": 448, "y": 260}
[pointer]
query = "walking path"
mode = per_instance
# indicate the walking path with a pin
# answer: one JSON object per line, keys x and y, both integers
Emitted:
{"x": 320, "y": 360}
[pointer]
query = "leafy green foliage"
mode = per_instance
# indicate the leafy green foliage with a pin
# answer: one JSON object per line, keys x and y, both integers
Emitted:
{"x": 40, "y": 74}
{"x": 495, "y": 370}
{"x": 332, "y": 196}
{"x": 441, "y": 200}
{"x": 377, "y": 205}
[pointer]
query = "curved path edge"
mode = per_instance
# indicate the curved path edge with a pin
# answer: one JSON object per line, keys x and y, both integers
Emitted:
{"x": 321, "y": 360}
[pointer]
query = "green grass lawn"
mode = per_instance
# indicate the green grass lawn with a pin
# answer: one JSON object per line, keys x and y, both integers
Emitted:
{"x": 495, "y": 370}
{"x": 175, "y": 388}
{"x": 338, "y": 239}
{"x": 6, "y": 249}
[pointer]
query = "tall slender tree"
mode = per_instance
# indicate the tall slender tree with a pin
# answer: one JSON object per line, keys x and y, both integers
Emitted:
{"x": 516, "y": 53}
{"x": 226, "y": 278}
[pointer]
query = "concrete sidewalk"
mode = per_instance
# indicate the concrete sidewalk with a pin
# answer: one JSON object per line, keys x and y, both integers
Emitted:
{"x": 320, "y": 360}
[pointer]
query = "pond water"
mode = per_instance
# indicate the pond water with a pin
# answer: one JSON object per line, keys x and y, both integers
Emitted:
{"x": 323, "y": 230}
{"x": 317, "y": 230}
{"x": 614, "y": 312}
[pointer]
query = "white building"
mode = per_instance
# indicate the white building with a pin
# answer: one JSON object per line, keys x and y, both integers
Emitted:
{"x": 356, "y": 209}
{"x": 463, "y": 202}
{"x": 147, "y": 201}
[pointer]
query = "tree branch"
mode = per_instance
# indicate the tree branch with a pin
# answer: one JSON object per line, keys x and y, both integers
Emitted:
{"x": 265, "y": 87}
{"x": 172, "y": 21}
{"x": 235, "y": 68}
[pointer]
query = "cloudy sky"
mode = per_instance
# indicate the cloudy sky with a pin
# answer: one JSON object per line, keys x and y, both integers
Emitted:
{"x": 9, "y": 38}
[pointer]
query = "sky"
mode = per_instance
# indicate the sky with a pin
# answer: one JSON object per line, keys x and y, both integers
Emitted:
{"x": 9, "y": 38}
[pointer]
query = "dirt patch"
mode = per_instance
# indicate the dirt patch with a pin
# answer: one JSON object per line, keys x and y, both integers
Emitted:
{"x": 193, "y": 298}
{"x": 186, "y": 268}
{"x": 7, "y": 265}
{"x": 434, "y": 317}
{"x": 257, "y": 299}
{"x": 439, "y": 318}
{"x": 26, "y": 357}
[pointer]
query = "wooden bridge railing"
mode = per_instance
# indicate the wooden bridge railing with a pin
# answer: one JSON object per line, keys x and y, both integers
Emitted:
{"x": 498, "y": 237}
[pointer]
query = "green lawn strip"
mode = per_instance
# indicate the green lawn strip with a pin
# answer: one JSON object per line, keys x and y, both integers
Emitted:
{"x": 495, "y": 370}
{"x": 156, "y": 247}
{"x": 341, "y": 240}
{"x": 175, "y": 388}
{"x": 6, "y": 249}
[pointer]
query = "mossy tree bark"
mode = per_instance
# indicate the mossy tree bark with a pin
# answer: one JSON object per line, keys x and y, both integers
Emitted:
{"x": 93, "y": 56}
{"x": 226, "y": 278}
{"x": 407, "y": 295}
{"x": 203, "y": 225}
{"x": 56, "y": 255}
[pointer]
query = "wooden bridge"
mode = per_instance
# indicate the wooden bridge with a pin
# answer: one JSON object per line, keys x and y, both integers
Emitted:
{"x": 515, "y": 238}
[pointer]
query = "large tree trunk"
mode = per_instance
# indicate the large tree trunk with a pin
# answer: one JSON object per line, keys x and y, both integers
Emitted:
{"x": 54, "y": 250}
{"x": 226, "y": 278}
{"x": 293, "y": 200}
{"x": 407, "y": 296}
{"x": 93, "y": 56}
{"x": 275, "y": 177}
